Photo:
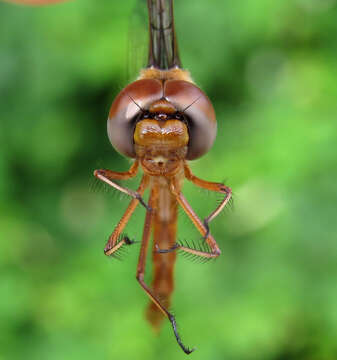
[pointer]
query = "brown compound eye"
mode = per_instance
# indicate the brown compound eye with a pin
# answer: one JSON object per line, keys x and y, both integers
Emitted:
{"x": 125, "y": 108}
{"x": 194, "y": 103}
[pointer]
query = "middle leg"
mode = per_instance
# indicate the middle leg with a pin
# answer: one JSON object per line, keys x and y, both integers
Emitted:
{"x": 215, "y": 250}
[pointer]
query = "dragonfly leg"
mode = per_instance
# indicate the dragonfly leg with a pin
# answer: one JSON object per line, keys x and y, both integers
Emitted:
{"x": 215, "y": 250}
{"x": 141, "y": 273}
{"x": 113, "y": 244}
{"x": 116, "y": 175}
{"x": 112, "y": 250}
{"x": 107, "y": 176}
{"x": 212, "y": 186}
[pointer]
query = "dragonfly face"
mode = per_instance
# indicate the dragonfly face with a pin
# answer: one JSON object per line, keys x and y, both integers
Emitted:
{"x": 161, "y": 145}
{"x": 162, "y": 122}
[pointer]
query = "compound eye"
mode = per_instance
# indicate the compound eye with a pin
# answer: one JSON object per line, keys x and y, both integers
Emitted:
{"x": 194, "y": 103}
{"x": 129, "y": 103}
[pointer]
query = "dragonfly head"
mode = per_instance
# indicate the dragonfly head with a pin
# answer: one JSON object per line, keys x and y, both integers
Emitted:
{"x": 162, "y": 114}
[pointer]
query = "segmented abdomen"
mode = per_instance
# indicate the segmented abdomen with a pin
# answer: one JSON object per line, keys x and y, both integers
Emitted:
{"x": 164, "y": 235}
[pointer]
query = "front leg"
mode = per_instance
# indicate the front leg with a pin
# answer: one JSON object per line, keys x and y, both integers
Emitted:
{"x": 116, "y": 175}
{"x": 212, "y": 186}
{"x": 108, "y": 176}
{"x": 115, "y": 243}
{"x": 114, "y": 250}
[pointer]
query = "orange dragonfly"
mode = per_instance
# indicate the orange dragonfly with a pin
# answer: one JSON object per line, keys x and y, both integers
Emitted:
{"x": 162, "y": 120}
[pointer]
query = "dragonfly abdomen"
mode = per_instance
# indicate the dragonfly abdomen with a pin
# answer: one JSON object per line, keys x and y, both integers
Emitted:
{"x": 164, "y": 236}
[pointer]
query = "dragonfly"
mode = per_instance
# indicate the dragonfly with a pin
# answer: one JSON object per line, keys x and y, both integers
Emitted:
{"x": 161, "y": 121}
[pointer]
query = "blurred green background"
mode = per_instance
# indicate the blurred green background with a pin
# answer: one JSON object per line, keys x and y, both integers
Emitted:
{"x": 270, "y": 67}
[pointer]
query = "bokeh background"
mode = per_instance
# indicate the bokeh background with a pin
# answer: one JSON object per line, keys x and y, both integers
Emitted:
{"x": 270, "y": 67}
